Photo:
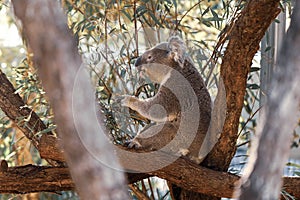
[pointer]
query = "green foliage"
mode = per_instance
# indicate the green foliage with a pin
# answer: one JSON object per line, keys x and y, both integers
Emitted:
{"x": 112, "y": 34}
{"x": 110, "y": 44}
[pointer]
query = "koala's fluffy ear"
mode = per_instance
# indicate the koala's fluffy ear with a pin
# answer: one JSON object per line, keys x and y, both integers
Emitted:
{"x": 178, "y": 49}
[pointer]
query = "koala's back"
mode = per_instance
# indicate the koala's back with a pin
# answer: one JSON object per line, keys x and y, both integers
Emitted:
{"x": 198, "y": 84}
{"x": 204, "y": 103}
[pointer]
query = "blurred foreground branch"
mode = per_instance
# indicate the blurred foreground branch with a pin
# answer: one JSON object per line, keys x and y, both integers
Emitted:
{"x": 56, "y": 55}
{"x": 270, "y": 153}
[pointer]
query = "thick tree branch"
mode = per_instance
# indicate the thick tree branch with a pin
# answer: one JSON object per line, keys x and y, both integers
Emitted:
{"x": 14, "y": 107}
{"x": 244, "y": 38}
{"x": 31, "y": 178}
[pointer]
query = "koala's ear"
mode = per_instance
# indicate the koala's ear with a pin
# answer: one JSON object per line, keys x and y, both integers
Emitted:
{"x": 178, "y": 49}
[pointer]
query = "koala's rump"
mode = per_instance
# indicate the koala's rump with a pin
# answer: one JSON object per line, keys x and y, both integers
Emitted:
{"x": 157, "y": 136}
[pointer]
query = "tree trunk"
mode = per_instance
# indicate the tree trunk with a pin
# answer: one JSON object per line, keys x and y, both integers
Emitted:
{"x": 244, "y": 39}
{"x": 262, "y": 179}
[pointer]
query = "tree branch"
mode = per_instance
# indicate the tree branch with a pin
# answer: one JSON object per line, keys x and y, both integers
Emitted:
{"x": 14, "y": 107}
{"x": 30, "y": 178}
{"x": 16, "y": 110}
{"x": 244, "y": 38}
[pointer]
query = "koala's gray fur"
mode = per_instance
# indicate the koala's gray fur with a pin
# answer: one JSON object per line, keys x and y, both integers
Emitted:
{"x": 165, "y": 108}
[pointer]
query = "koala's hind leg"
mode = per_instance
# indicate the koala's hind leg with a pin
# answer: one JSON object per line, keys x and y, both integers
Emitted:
{"x": 154, "y": 137}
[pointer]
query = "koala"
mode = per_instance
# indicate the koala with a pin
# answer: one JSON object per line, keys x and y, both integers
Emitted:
{"x": 181, "y": 109}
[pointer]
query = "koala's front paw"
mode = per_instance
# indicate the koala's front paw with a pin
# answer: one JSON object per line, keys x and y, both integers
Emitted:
{"x": 129, "y": 101}
{"x": 125, "y": 101}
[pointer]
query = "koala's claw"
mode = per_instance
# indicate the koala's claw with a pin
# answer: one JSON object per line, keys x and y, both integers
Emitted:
{"x": 117, "y": 98}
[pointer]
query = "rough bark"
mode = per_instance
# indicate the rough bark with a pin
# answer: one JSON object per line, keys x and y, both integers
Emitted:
{"x": 262, "y": 179}
{"x": 14, "y": 107}
{"x": 49, "y": 148}
{"x": 32, "y": 178}
{"x": 56, "y": 55}
{"x": 244, "y": 39}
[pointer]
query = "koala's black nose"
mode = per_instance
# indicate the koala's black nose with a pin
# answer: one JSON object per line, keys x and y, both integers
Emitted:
{"x": 138, "y": 61}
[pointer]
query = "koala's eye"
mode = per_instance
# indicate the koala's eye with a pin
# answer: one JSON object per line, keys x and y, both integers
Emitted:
{"x": 149, "y": 58}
